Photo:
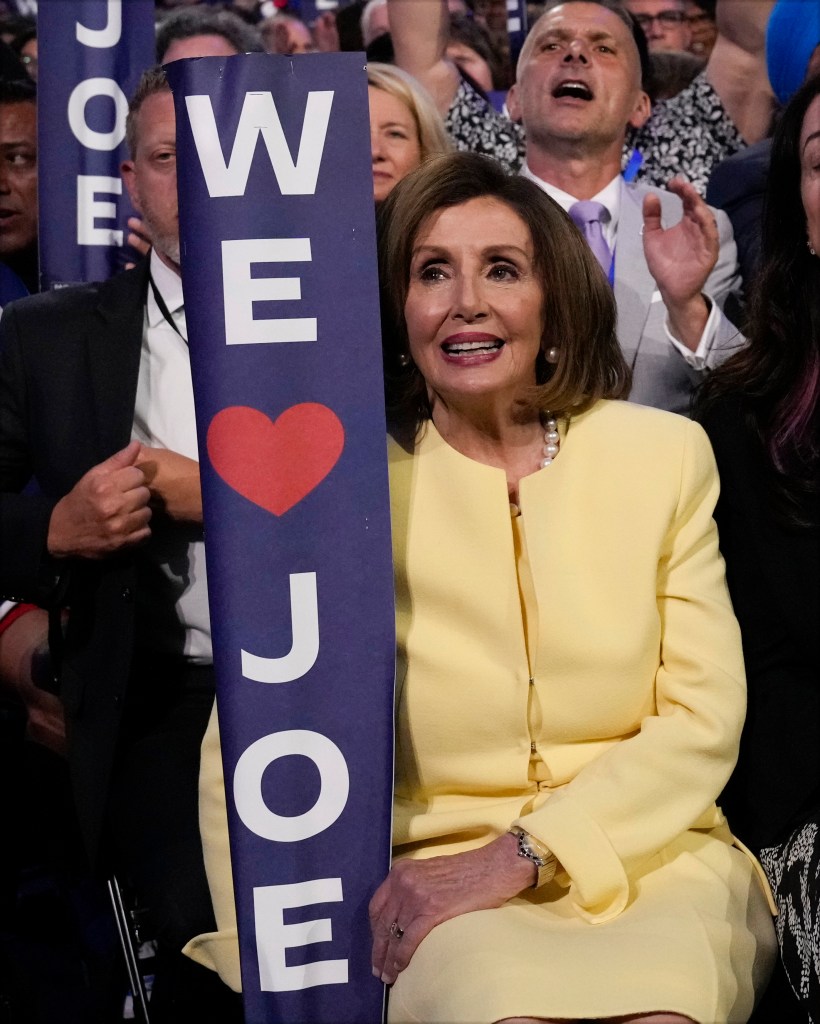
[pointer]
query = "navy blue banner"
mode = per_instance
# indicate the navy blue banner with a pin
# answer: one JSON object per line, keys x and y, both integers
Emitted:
{"x": 92, "y": 53}
{"x": 517, "y": 27}
{"x": 281, "y": 300}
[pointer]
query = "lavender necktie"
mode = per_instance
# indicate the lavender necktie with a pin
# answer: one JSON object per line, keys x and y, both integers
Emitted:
{"x": 589, "y": 217}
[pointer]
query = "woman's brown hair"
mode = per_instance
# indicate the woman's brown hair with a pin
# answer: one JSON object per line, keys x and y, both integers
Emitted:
{"x": 579, "y": 308}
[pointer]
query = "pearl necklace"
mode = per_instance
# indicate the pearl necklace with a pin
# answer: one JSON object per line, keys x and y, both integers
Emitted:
{"x": 552, "y": 441}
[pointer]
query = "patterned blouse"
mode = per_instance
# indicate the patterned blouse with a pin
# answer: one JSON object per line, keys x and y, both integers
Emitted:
{"x": 475, "y": 127}
{"x": 689, "y": 133}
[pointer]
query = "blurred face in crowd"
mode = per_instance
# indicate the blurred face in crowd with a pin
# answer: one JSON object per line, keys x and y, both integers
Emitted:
{"x": 377, "y": 24}
{"x": 810, "y": 172}
{"x": 579, "y": 78}
{"x": 287, "y": 35}
{"x": 475, "y": 307}
{"x": 664, "y": 23}
{"x": 28, "y": 55}
{"x": 199, "y": 46}
{"x": 466, "y": 58}
{"x": 702, "y": 29}
{"x": 151, "y": 176}
{"x": 18, "y": 178}
{"x": 394, "y": 141}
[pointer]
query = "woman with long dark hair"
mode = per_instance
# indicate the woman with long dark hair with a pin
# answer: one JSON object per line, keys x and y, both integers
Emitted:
{"x": 762, "y": 412}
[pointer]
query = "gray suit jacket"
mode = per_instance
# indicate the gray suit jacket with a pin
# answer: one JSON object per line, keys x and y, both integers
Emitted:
{"x": 661, "y": 375}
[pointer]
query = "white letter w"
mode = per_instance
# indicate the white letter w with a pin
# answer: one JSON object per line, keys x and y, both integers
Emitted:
{"x": 259, "y": 115}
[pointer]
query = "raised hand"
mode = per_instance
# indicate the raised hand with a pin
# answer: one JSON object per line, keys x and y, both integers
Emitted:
{"x": 681, "y": 258}
{"x": 105, "y": 511}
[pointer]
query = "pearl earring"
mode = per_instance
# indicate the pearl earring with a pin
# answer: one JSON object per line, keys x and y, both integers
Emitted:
{"x": 404, "y": 359}
{"x": 552, "y": 355}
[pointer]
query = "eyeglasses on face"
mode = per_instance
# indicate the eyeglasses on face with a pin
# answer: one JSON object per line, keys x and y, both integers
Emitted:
{"x": 666, "y": 19}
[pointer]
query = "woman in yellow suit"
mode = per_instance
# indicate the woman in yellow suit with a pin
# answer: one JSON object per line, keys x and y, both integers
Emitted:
{"x": 570, "y": 690}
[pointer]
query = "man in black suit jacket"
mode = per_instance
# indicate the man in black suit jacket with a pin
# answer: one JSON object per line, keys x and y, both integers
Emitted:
{"x": 114, "y": 535}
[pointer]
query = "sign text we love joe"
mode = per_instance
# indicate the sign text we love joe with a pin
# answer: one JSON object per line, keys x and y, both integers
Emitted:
{"x": 281, "y": 302}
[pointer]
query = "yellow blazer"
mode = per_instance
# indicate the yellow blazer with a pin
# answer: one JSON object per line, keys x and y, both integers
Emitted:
{"x": 638, "y": 692}
{"x": 580, "y": 673}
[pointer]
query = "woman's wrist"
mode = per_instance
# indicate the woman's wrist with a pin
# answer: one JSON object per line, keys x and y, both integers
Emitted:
{"x": 540, "y": 856}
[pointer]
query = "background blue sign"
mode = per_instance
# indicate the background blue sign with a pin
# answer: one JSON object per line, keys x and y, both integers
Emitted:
{"x": 517, "y": 27}
{"x": 281, "y": 301}
{"x": 92, "y": 54}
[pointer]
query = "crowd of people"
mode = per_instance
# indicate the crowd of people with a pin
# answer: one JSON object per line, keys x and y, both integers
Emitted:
{"x": 600, "y": 271}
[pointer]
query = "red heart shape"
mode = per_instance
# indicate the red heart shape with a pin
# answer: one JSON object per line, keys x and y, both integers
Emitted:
{"x": 275, "y": 464}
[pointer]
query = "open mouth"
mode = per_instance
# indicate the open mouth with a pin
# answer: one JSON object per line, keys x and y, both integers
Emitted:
{"x": 573, "y": 89}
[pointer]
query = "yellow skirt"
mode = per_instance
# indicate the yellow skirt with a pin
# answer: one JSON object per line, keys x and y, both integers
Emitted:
{"x": 696, "y": 939}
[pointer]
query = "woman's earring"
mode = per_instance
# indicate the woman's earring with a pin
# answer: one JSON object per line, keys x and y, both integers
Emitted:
{"x": 812, "y": 250}
{"x": 552, "y": 355}
{"x": 404, "y": 359}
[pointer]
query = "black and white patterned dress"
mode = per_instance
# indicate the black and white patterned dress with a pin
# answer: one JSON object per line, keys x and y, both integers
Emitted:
{"x": 476, "y": 127}
{"x": 689, "y": 133}
{"x": 793, "y": 870}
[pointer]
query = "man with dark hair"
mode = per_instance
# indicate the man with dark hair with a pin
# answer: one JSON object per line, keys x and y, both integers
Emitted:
{"x": 200, "y": 31}
{"x": 18, "y": 189}
{"x": 96, "y": 403}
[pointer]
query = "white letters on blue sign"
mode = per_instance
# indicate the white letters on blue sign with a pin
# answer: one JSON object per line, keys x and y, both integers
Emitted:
{"x": 304, "y": 616}
{"x": 333, "y": 790}
{"x": 91, "y": 209}
{"x": 259, "y": 115}
{"x": 240, "y": 291}
{"x": 82, "y": 93}
{"x": 273, "y": 936}
{"x": 103, "y": 37}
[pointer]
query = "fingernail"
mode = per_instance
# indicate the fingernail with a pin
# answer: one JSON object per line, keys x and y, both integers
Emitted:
{"x": 375, "y": 972}
{"x": 386, "y": 979}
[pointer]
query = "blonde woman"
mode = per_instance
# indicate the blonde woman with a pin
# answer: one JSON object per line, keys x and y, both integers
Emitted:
{"x": 405, "y": 127}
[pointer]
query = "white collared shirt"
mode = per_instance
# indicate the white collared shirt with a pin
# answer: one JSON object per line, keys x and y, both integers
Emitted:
{"x": 164, "y": 418}
{"x": 610, "y": 197}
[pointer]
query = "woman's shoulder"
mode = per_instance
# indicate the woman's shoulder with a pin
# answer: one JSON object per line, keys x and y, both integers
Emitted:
{"x": 639, "y": 427}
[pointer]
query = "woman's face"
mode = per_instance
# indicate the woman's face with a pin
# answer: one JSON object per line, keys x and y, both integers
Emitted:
{"x": 474, "y": 308}
{"x": 394, "y": 141}
{"x": 810, "y": 171}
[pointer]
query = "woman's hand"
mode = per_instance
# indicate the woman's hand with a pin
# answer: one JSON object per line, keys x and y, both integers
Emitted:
{"x": 419, "y": 894}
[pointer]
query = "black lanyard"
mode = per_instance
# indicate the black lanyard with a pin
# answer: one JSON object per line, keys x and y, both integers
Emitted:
{"x": 163, "y": 308}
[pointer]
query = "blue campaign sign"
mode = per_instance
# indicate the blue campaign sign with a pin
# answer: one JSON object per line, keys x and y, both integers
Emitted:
{"x": 92, "y": 54}
{"x": 281, "y": 300}
{"x": 517, "y": 27}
